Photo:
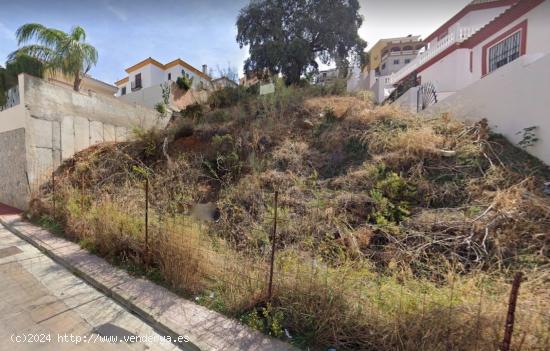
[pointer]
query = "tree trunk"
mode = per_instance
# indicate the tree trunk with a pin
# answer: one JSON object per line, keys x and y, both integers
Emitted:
{"x": 77, "y": 81}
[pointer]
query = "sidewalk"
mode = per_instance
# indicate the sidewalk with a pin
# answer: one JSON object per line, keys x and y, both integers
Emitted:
{"x": 160, "y": 308}
{"x": 44, "y": 306}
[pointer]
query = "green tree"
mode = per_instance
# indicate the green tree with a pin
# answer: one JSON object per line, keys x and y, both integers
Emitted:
{"x": 19, "y": 64}
{"x": 290, "y": 36}
{"x": 64, "y": 53}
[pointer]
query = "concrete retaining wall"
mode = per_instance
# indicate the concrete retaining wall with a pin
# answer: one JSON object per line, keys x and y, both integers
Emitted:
{"x": 13, "y": 181}
{"x": 57, "y": 122}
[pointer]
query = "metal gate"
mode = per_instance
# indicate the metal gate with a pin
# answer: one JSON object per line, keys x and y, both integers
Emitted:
{"x": 427, "y": 96}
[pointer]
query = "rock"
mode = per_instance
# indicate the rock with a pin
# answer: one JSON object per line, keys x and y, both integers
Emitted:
{"x": 447, "y": 153}
{"x": 206, "y": 212}
{"x": 307, "y": 124}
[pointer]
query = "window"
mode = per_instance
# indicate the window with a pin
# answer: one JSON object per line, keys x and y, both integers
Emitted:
{"x": 169, "y": 76}
{"x": 407, "y": 48}
{"x": 407, "y": 61}
{"x": 395, "y": 49}
{"x": 123, "y": 91}
{"x": 384, "y": 66}
{"x": 505, "y": 51}
{"x": 395, "y": 62}
{"x": 137, "y": 81}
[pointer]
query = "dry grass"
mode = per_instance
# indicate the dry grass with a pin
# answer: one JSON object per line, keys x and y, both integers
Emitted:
{"x": 383, "y": 242}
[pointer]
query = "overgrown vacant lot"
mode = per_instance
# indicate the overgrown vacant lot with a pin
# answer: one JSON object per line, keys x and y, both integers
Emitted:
{"x": 394, "y": 231}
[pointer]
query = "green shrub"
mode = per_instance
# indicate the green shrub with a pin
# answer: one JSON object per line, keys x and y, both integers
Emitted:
{"x": 184, "y": 83}
{"x": 160, "y": 107}
{"x": 266, "y": 319}
{"x": 230, "y": 96}
{"x": 194, "y": 111}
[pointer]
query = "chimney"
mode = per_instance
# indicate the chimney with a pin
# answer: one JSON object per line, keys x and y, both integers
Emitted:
{"x": 204, "y": 68}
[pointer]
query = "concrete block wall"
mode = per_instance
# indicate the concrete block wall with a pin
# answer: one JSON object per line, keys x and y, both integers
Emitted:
{"x": 56, "y": 122}
{"x": 13, "y": 181}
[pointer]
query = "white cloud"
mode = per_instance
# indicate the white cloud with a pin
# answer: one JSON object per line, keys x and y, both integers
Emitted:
{"x": 119, "y": 13}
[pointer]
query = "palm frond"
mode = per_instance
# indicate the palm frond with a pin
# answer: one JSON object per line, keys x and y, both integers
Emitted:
{"x": 46, "y": 36}
{"x": 39, "y": 52}
{"x": 78, "y": 33}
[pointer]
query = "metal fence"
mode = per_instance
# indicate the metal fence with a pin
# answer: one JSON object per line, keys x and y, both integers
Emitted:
{"x": 194, "y": 267}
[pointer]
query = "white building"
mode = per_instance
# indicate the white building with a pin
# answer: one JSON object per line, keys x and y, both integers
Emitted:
{"x": 500, "y": 72}
{"x": 482, "y": 37}
{"x": 223, "y": 82}
{"x": 145, "y": 80}
{"x": 326, "y": 76}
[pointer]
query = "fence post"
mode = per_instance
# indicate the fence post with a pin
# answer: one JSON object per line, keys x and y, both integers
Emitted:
{"x": 146, "y": 219}
{"x": 53, "y": 193}
{"x": 273, "y": 248}
{"x": 509, "y": 326}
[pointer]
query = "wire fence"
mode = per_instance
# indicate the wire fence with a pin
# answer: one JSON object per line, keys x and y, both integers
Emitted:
{"x": 225, "y": 276}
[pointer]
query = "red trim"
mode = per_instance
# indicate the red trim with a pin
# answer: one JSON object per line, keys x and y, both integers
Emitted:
{"x": 512, "y": 14}
{"x": 507, "y": 17}
{"x": 469, "y": 8}
{"x": 471, "y": 61}
{"x": 521, "y": 27}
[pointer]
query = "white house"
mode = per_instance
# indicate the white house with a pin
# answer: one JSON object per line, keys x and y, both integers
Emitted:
{"x": 223, "y": 82}
{"x": 478, "y": 40}
{"x": 146, "y": 80}
{"x": 501, "y": 72}
{"x": 326, "y": 76}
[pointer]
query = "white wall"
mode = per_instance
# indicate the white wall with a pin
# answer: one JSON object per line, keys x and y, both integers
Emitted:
{"x": 147, "y": 97}
{"x": 451, "y": 73}
{"x": 512, "y": 98}
{"x": 408, "y": 100}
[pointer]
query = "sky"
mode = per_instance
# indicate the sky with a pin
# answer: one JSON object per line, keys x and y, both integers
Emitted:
{"x": 197, "y": 31}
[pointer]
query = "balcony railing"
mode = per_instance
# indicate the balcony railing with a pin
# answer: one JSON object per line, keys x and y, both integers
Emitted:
{"x": 398, "y": 53}
{"x": 456, "y": 36}
{"x": 136, "y": 86}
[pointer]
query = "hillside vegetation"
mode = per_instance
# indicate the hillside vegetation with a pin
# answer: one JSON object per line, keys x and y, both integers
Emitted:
{"x": 394, "y": 231}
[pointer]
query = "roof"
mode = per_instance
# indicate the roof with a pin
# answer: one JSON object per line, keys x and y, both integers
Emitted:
{"x": 122, "y": 81}
{"x": 152, "y": 61}
{"x": 472, "y": 6}
{"x": 100, "y": 82}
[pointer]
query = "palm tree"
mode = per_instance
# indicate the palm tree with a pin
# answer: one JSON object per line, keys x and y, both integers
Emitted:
{"x": 65, "y": 53}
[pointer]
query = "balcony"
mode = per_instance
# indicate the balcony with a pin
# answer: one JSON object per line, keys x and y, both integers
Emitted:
{"x": 136, "y": 85}
{"x": 398, "y": 53}
{"x": 454, "y": 37}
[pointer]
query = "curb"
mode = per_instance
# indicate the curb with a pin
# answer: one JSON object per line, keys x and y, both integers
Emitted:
{"x": 126, "y": 304}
